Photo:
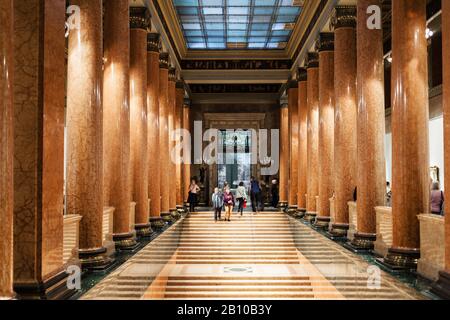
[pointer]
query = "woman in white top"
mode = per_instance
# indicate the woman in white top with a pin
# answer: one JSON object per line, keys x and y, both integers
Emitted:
{"x": 241, "y": 197}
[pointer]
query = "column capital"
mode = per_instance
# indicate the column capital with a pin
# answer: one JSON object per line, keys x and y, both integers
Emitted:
{"x": 186, "y": 103}
{"x": 153, "y": 40}
{"x": 140, "y": 18}
{"x": 312, "y": 60}
{"x": 180, "y": 84}
{"x": 164, "y": 60}
{"x": 343, "y": 17}
{"x": 173, "y": 74}
{"x": 302, "y": 74}
{"x": 325, "y": 42}
{"x": 292, "y": 84}
{"x": 284, "y": 102}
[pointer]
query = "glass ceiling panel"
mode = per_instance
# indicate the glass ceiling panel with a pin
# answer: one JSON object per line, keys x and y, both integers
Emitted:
{"x": 237, "y": 24}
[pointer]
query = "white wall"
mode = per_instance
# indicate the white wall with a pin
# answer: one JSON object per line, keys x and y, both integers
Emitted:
{"x": 436, "y": 132}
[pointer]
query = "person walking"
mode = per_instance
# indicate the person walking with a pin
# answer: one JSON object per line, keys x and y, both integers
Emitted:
{"x": 228, "y": 201}
{"x": 255, "y": 193}
{"x": 241, "y": 197}
{"x": 437, "y": 199}
{"x": 194, "y": 189}
{"x": 217, "y": 201}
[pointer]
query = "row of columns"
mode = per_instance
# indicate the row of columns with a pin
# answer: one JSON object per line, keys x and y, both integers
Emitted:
{"x": 120, "y": 106}
{"x": 341, "y": 128}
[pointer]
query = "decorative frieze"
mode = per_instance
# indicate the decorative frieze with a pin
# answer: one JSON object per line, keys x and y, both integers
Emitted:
{"x": 325, "y": 42}
{"x": 140, "y": 18}
{"x": 153, "y": 41}
{"x": 343, "y": 17}
{"x": 235, "y": 88}
{"x": 312, "y": 60}
{"x": 164, "y": 60}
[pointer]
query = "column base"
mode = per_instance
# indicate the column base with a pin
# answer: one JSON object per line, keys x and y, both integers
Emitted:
{"x": 291, "y": 210}
{"x": 362, "y": 242}
{"x": 442, "y": 287}
{"x": 401, "y": 259}
{"x": 322, "y": 223}
{"x": 125, "y": 241}
{"x": 310, "y": 217}
{"x": 157, "y": 223}
{"x": 143, "y": 230}
{"x": 339, "y": 230}
{"x": 54, "y": 288}
{"x": 181, "y": 209}
{"x": 167, "y": 217}
{"x": 282, "y": 205}
{"x": 95, "y": 259}
{"x": 175, "y": 214}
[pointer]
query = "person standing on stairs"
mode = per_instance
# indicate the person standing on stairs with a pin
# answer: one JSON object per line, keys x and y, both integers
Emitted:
{"x": 217, "y": 201}
{"x": 194, "y": 189}
{"x": 241, "y": 197}
{"x": 228, "y": 201}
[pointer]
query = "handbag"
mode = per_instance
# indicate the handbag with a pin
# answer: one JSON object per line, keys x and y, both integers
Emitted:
{"x": 245, "y": 203}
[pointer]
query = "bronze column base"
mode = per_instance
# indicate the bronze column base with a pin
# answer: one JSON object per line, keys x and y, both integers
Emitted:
{"x": 95, "y": 259}
{"x": 143, "y": 230}
{"x": 322, "y": 223}
{"x": 175, "y": 214}
{"x": 167, "y": 217}
{"x": 442, "y": 287}
{"x": 363, "y": 242}
{"x": 339, "y": 230}
{"x": 398, "y": 259}
{"x": 54, "y": 288}
{"x": 282, "y": 205}
{"x": 157, "y": 223}
{"x": 125, "y": 241}
{"x": 291, "y": 210}
{"x": 310, "y": 217}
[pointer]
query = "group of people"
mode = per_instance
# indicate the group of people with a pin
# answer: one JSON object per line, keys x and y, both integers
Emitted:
{"x": 225, "y": 200}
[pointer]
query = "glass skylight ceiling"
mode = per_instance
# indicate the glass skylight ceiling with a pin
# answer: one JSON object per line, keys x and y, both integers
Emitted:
{"x": 237, "y": 24}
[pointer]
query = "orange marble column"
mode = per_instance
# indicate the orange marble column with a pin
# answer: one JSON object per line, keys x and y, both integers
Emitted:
{"x": 442, "y": 287}
{"x": 116, "y": 120}
{"x": 313, "y": 136}
{"x": 172, "y": 100}
{"x": 345, "y": 116}
{"x": 371, "y": 165}
{"x": 139, "y": 24}
{"x": 39, "y": 99}
{"x": 284, "y": 155}
{"x": 186, "y": 166}
{"x": 178, "y": 125}
{"x": 326, "y": 128}
{"x": 410, "y": 114}
{"x": 164, "y": 133}
{"x": 302, "y": 77}
{"x": 154, "y": 185}
{"x": 84, "y": 187}
{"x": 292, "y": 93}
{"x": 6, "y": 148}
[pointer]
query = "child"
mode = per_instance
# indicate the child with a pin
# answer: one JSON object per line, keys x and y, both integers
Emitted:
{"x": 217, "y": 201}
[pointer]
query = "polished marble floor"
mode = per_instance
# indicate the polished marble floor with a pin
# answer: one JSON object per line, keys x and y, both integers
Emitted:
{"x": 264, "y": 256}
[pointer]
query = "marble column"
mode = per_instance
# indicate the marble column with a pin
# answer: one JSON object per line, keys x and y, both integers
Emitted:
{"x": 116, "y": 120}
{"x": 39, "y": 99}
{"x": 313, "y": 136}
{"x": 178, "y": 126}
{"x": 186, "y": 165}
{"x": 84, "y": 187}
{"x": 139, "y": 24}
{"x": 302, "y": 77}
{"x": 410, "y": 114}
{"x": 171, "y": 124}
{"x": 292, "y": 92}
{"x": 442, "y": 287}
{"x": 371, "y": 165}
{"x": 6, "y": 148}
{"x": 154, "y": 184}
{"x": 326, "y": 128}
{"x": 164, "y": 133}
{"x": 284, "y": 155}
{"x": 344, "y": 116}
